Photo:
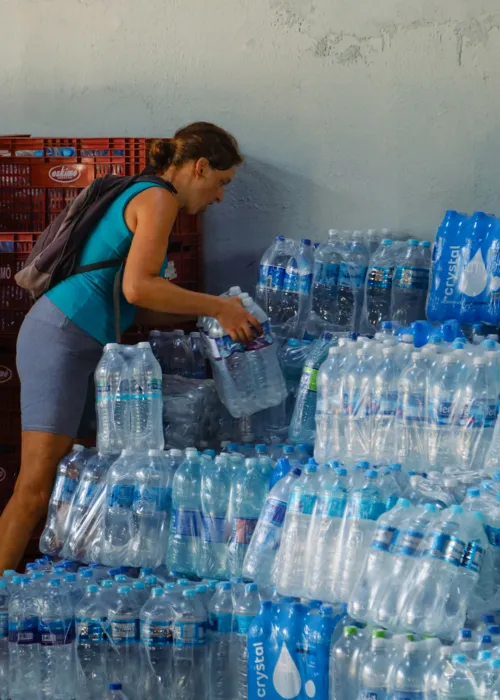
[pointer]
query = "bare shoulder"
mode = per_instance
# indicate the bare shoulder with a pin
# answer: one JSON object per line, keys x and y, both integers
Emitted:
{"x": 154, "y": 203}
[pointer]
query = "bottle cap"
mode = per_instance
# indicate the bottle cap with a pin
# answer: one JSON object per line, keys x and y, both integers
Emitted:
{"x": 350, "y": 631}
{"x": 459, "y": 659}
{"x": 396, "y": 466}
{"x": 190, "y": 593}
{"x": 93, "y": 588}
{"x": 115, "y": 686}
{"x": 124, "y": 590}
{"x": 157, "y": 592}
{"x": 202, "y": 588}
{"x": 495, "y": 663}
{"x": 251, "y": 588}
{"x": 107, "y": 583}
{"x": 378, "y": 634}
{"x": 403, "y": 503}
{"x": 484, "y": 655}
{"x": 386, "y": 241}
{"x": 138, "y": 585}
{"x": 473, "y": 493}
{"x": 224, "y": 586}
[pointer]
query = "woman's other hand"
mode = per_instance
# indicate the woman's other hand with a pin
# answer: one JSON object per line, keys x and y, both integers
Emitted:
{"x": 241, "y": 325}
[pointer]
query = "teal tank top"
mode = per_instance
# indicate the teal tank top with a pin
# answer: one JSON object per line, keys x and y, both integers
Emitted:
{"x": 87, "y": 298}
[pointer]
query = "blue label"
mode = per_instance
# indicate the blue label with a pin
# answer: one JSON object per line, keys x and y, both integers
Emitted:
{"x": 24, "y": 632}
{"x": 156, "y": 633}
{"x": 152, "y": 499}
{"x": 372, "y": 694}
{"x": 260, "y": 671}
{"x": 221, "y": 622}
{"x": 473, "y": 557}
{"x": 365, "y": 509}
{"x": 272, "y": 277}
{"x": 302, "y": 502}
{"x": 153, "y": 387}
{"x": 318, "y": 272}
{"x": 222, "y": 348}
{"x": 493, "y": 535}
{"x": 64, "y": 489}
{"x": 57, "y": 632}
{"x": 330, "y": 507}
{"x": 384, "y": 538}
{"x": 479, "y": 413}
{"x": 4, "y": 625}
{"x": 441, "y": 412}
{"x": 305, "y": 284}
{"x": 330, "y": 277}
{"x": 213, "y": 529}
{"x": 291, "y": 283}
{"x": 411, "y": 408}
{"x": 352, "y": 275}
{"x": 385, "y": 404}
{"x": 408, "y": 542}
{"x": 121, "y": 496}
{"x": 357, "y": 403}
{"x": 445, "y": 548}
{"x": 189, "y": 634}
{"x": 411, "y": 278}
{"x": 123, "y": 631}
{"x": 243, "y": 529}
{"x": 87, "y": 494}
{"x": 91, "y": 630}
{"x": 274, "y": 512}
{"x": 243, "y": 623}
{"x": 185, "y": 523}
{"x": 380, "y": 277}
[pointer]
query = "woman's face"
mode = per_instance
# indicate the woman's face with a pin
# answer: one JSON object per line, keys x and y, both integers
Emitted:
{"x": 206, "y": 186}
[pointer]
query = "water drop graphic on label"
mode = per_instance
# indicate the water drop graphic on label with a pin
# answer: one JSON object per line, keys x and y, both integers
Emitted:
{"x": 286, "y": 676}
{"x": 310, "y": 689}
{"x": 474, "y": 276}
{"x": 495, "y": 284}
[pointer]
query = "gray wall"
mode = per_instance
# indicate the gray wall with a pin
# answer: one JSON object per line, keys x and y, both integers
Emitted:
{"x": 351, "y": 114}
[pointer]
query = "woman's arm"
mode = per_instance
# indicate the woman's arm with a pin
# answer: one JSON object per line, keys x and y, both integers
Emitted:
{"x": 151, "y": 216}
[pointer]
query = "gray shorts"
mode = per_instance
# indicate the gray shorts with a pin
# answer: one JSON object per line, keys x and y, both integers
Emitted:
{"x": 56, "y": 363}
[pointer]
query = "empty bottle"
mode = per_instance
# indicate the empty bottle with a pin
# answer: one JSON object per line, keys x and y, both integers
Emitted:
{"x": 185, "y": 526}
{"x": 111, "y": 405}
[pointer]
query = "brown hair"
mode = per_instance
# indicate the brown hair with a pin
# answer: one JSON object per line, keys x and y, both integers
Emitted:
{"x": 198, "y": 140}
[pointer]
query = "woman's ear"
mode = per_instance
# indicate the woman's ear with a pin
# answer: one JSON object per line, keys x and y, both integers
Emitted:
{"x": 200, "y": 167}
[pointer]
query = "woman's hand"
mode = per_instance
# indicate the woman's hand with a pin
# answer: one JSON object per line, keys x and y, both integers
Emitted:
{"x": 237, "y": 321}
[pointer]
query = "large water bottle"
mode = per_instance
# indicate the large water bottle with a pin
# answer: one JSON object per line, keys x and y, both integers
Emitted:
{"x": 156, "y": 623}
{"x": 325, "y": 281}
{"x": 111, "y": 406}
{"x": 260, "y": 557}
{"x": 297, "y": 285}
{"x": 214, "y": 493}
{"x": 384, "y": 403}
{"x": 457, "y": 680}
{"x": 480, "y": 243}
{"x": 292, "y": 557}
{"x": 271, "y": 280}
{"x": 374, "y": 666}
{"x": 444, "y": 388}
{"x": 351, "y": 285}
{"x": 357, "y": 401}
{"x": 378, "y": 293}
{"x": 123, "y": 635}
{"x": 245, "y": 610}
{"x": 407, "y": 676}
{"x": 344, "y": 664}
{"x": 144, "y": 400}
{"x": 222, "y": 650}
{"x": 292, "y": 357}
{"x": 4, "y": 641}
{"x": 185, "y": 526}
{"x": 302, "y": 426}
{"x": 249, "y": 489}
{"x": 189, "y": 650}
{"x": 91, "y": 624}
{"x": 57, "y": 643}
{"x": 120, "y": 527}
{"x": 151, "y": 508}
{"x": 67, "y": 478}
{"x": 372, "y": 577}
{"x": 409, "y": 289}
{"x": 329, "y": 440}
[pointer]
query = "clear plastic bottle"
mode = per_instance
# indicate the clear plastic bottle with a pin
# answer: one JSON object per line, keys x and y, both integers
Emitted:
{"x": 119, "y": 523}
{"x": 374, "y": 666}
{"x": 91, "y": 645}
{"x": 271, "y": 280}
{"x": 325, "y": 281}
{"x": 222, "y": 649}
{"x": 409, "y": 289}
{"x": 344, "y": 664}
{"x": 297, "y": 285}
{"x": 156, "y": 624}
{"x": 357, "y": 389}
{"x": 144, "y": 400}
{"x": 112, "y": 420}
{"x": 181, "y": 355}
{"x": 214, "y": 494}
{"x": 190, "y": 650}
{"x": 457, "y": 681}
{"x": 329, "y": 440}
{"x": 245, "y": 611}
{"x": 123, "y": 635}
{"x": 384, "y": 403}
{"x": 444, "y": 400}
{"x": 407, "y": 677}
{"x": 185, "y": 527}
{"x": 198, "y": 370}
{"x": 351, "y": 285}
{"x": 115, "y": 692}
{"x": 379, "y": 279}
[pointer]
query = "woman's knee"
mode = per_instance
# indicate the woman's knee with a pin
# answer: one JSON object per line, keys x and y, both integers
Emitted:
{"x": 32, "y": 499}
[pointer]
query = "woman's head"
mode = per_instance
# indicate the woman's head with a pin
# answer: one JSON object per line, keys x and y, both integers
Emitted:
{"x": 200, "y": 160}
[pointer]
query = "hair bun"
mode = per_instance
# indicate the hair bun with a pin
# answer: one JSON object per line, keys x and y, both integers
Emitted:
{"x": 161, "y": 153}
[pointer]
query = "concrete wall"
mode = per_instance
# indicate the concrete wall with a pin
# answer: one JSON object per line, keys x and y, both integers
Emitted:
{"x": 352, "y": 114}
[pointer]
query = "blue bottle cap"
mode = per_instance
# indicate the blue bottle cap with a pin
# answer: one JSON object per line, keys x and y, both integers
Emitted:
{"x": 190, "y": 593}
{"x": 93, "y": 588}
{"x": 288, "y": 449}
{"x": 157, "y": 592}
{"x": 386, "y": 241}
{"x": 459, "y": 659}
{"x": 124, "y": 590}
{"x": 495, "y": 663}
{"x": 293, "y": 343}
{"x": 430, "y": 508}
{"x": 261, "y": 447}
{"x": 473, "y": 493}
{"x": 395, "y": 466}
{"x": 202, "y": 588}
{"x": 486, "y": 639}
{"x": 115, "y": 686}
{"x": 363, "y": 464}
{"x": 139, "y": 585}
{"x": 412, "y": 242}
{"x": 146, "y": 570}
{"x": 371, "y": 474}
{"x": 306, "y": 241}
{"x": 484, "y": 655}
{"x": 251, "y": 588}
{"x": 494, "y": 630}
{"x": 88, "y": 573}
{"x": 311, "y": 469}
{"x": 107, "y": 583}
{"x": 297, "y": 471}
{"x": 280, "y": 238}
{"x": 70, "y": 578}
{"x": 151, "y": 580}
{"x": 312, "y": 462}
{"x": 224, "y": 586}
{"x": 487, "y": 619}
{"x": 465, "y": 633}
{"x": 55, "y": 582}
{"x": 341, "y": 471}
{"x": 425, "y": 244}
{"x": 456, "y": 510}
{"x": 326, "y": 610}
{"x": 403, "y": 503}
{"x": 387, "y": 325}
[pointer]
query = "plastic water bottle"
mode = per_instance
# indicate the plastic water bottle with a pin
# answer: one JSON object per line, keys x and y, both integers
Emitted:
{"x": 189, "y": 650}
{"x": 199, "y": 370}
{"x": 329, "y": 440}
{"x": 443, "y": 400}
{"x": 292, "y": 357}
{"x": 67, "y": 477}
{"x": 379, "y": 279}
{"x": 352, "y": 274}
{"x": 24, "y": 641}
{"x": 297, "y": 284}
{"x": 144, "y": 401}
{"x": 214, "y": 493}
{"x": 181, "y": 355}
{"x": 184, "y": 543}
{"x": 292, "y": 557}
{"x": 245, "y": 611}
{"x": 384, "y": 403}
{"x": 151, "y": 508}
{"x": 156, "y": 624}
{"x": 123, "y": 634}
{"x": 344, "y": 664}
{"x": 261, "y": 554}
{"x": 302, "y": 426}
{"x": 91, "y": 620}
{"x": 4, "y": 641}
{"x": 111, "y": 406}
{"x": 374, "y": 668}
{"x": 457, "y": 680}
{"x": 411, "y": 281}
{"x": 407, "y": 677}
{"x": 249, "y": 489}
{"x": 325, "y": 280}
{"x": 222, "y": 648}
{"x": 271, "y": 280}
{"x": 57, "y": 643}
{"x": 119, "y": 523}
{"x": 357, "y": 399}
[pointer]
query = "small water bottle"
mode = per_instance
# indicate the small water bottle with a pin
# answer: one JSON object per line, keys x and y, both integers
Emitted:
{"x": 144, "y": 400}
{"x": 222, "y": 649}
{"x": 119, "y": 523}
{"x": 183, "y": 554}
{"x": 245, "y": 611}
{"x": 123, "y": 633}
{"x": 91, "y": 619}
{"x": 110, "y": 405}
{"x": 214, "y": 494}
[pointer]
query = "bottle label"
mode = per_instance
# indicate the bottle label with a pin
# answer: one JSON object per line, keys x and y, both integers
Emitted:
{"x": 91, "y": 630}
{"x": 64, "y": 489}
{"x": 274, "y": 512}
{"x": 221, "y": 622}
{"x": 384, "y": 538}
{"x": 243, "y": 623}
{"x": 309, "y": 379}
{"x": 318, "y": 272}
{"x": 263, "y": 341}
{"x": 102, "y": 392}
{"x": 272, "y": 277}
{"x": 385, "y": 404}
{"x": 411, "y": 408}
{"x": 493, "y": 535}
{"x": 222, "y": 348}
{"x": 185, "y": 523}
{"x": 441, "y": 412}
{"x": 153, "y": 387}
{"x": 445, "y": 548}
{"x": 57, "y": 632}
{"x": 213, "y": 529}
{"x": 365, "y": 509}
{"x": 479, "y": 413}
{"x": 330, "y": 277}
{"x": 291, "y": 282}
{"x": 411, "y": 278}
{"x": 121, "y": 496}
{"x": 330, "y": 507}
{"x": 380, "y": 277}
{"x": 301, "y": 502}
{"x": 189, "y": 634}
{"x": 24, "y": 632}
{"x": 4, "y": 625}
{"x": 156, "y": 633}
{"x": 305, "y": 284}
{"x": 152, "y": 499}
{"x": 352, "y": 275}
{"x": 473, "y": 557}
{"x": 243, "y": 529}
{"x": 87, "y": 494}
{"x": 408, "y": 543}
{"x": 124, "y": 631}
{"x": 372, "y": 694}
{"x": 357, "y": 403}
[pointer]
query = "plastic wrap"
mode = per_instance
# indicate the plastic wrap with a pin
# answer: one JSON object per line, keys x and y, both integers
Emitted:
{"x": 191, "y": 412}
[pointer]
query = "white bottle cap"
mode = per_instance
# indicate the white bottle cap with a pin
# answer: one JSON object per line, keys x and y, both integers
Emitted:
{"x": 156, "y": 453}
{"x": 335, "y": 350}
{"x": 144, "y": 346}
{"x": 415, "y": 355}
{"x": 191, "y": 451}
{"x": 175, "y": 452}
{"x": 234, "y": 291}
{"x": 479, "y": 361}
{"x": 78, "y": 447}
{"x": 387, "y": 352}
{"x": 111, "y": 346}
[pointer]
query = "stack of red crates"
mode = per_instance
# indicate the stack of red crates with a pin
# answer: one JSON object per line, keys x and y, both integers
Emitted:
{"x": 38, "y": 178}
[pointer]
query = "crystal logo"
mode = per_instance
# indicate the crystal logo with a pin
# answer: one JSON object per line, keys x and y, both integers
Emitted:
{"x": 474, "y": 276}
{"x": 64, "y": 173}
{"x": 5, "y": 374}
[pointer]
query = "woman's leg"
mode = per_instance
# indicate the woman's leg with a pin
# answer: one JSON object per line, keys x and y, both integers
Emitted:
{"x": 40, "y": 455}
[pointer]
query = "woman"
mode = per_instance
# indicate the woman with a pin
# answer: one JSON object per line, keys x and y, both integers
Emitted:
{"x": 61, "y": 339}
